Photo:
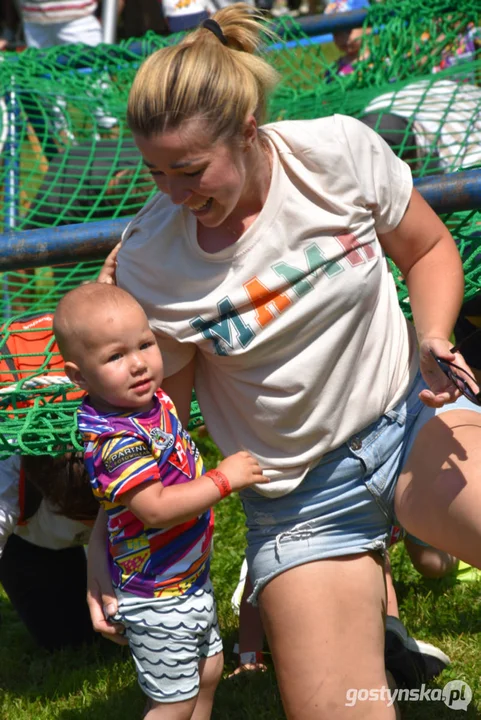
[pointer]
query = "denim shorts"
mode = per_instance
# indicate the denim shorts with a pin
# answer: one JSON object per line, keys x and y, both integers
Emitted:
{"x": 167, "y": 639}
{"x": 345, "y": 505}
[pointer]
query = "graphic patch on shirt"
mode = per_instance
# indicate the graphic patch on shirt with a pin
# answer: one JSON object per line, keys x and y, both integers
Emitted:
{"x": 128, "y": 454}
{"x": 179, "y": 459}
{"x": 134, "y": 563}
{"x": 160, "y": 439}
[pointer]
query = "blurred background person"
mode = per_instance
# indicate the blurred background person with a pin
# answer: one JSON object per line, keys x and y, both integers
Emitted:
{"x": 46, "y": 514}
{"x": 348, "y": 42}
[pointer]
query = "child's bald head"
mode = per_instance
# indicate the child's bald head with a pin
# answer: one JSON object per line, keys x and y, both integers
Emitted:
{"x": 108, "y": 347}
{"x": 81, "y": 313}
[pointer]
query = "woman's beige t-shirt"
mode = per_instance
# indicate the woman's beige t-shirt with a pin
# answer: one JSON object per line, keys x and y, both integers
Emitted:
{"x": 301, "y": 342}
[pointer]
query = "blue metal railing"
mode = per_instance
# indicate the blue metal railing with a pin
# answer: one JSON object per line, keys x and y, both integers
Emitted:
{"x": 325, "y": 24}
{"x": 92, "y": 241}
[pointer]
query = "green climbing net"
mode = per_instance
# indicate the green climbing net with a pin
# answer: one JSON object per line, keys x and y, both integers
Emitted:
{"x": 75, "y": 162}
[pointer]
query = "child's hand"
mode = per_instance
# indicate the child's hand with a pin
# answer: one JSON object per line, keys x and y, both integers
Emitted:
{"x": 242, "y": 470}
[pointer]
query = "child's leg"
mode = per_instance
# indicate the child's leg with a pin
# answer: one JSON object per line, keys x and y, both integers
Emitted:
{"x": 168, "y": 639}
{"x": 171, "y": 711}
{"x": 197, "y": 708}
{"x": 210, "y": 672}
{"x": 251, "y": 632}
{"x": 427, "y": 560}
{"x": 211, "y": 664}
{"x": 251, "y": 635}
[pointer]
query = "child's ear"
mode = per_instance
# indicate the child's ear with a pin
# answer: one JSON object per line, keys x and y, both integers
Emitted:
{"x": 72, "y": 371}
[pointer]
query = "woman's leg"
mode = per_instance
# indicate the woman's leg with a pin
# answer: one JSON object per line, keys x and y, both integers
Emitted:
{"x": 251, "y": 635}
{"x": 411, "y": 662}
{"x": 392, "y": 607}
{"x": 324, "y": 623}
{"x": 314, "y": 558}
{"x": 429, "y": 561}
{"x": 438, "y": 494}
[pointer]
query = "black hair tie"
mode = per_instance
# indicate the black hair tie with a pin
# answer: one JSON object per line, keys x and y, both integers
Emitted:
{"x": 214, "y": 27}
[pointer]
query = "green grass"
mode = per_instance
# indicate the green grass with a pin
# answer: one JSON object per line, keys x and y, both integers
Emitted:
{"x": 100, "y": 683}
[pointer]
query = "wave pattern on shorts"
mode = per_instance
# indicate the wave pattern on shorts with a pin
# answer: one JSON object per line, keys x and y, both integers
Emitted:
{"x": 167, "y": 639}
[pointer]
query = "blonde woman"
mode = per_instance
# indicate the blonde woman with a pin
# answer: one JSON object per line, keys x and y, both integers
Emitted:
{"x": 261, "y": 266}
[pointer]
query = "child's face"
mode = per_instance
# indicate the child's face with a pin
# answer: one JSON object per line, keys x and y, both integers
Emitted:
{"x": 122, "y": 367}
{"x": 349, "y": 41}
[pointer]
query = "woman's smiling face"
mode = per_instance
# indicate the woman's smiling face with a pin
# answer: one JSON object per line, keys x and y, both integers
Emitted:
{"x": 206, "y": 176}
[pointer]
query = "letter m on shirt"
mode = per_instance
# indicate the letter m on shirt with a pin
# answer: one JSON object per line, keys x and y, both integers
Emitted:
{"x": 225, "y": 331}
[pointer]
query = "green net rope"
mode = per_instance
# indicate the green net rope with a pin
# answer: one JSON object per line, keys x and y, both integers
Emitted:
{"x": 77, "y": 162}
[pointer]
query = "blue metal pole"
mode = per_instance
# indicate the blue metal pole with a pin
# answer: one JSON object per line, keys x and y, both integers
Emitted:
{"x": 323, "y": 24}
{"x": 12, "y": 177}
{"x": 92, "y": 241}
{"x": 301, "y": 42}
{"x": 60, "y": 245}
{"x": 452, "y": 192}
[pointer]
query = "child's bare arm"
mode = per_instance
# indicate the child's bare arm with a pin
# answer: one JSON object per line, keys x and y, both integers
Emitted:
{"x": 159, "y": 506}
{"x": 101, "y": 595}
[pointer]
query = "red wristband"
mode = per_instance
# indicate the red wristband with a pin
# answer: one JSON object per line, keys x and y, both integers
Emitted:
{"x": 220, "y": 481}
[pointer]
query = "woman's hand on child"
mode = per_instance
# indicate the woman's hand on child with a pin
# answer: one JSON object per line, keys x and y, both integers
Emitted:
{"x": 107, "y": 273}
{"x": 242, "y": 470}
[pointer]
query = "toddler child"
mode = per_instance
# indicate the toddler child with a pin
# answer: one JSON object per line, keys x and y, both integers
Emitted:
{"x": 348, "y": 42}
{"x": 148, "y": 476}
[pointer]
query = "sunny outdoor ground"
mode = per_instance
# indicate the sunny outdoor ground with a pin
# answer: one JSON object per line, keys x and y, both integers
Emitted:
{"x": 100, "y": 683}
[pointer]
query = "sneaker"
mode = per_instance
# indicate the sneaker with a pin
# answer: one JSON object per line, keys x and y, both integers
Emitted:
{"x": 60, "y": 121}
{"x": 411, "y": 662}
{"x": 280, "y": 11}
{"x": 466, "y": 573}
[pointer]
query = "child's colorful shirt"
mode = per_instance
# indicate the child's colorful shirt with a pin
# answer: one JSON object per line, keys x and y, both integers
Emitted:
{"x": 122, "y": 451}
{"x": 345, "y": 65}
